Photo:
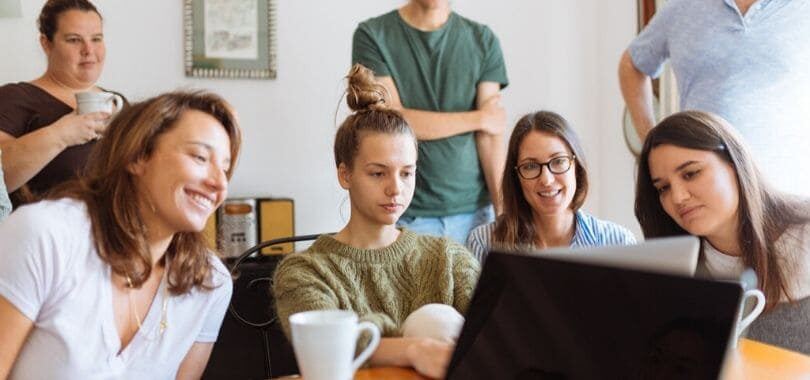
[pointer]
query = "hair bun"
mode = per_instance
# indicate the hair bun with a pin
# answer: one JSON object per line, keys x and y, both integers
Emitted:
{"x": 364, "y": 92}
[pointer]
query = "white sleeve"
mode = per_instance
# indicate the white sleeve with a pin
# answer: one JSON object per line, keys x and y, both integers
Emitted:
{"x": 29, "y": 264}
{"x": 222, "y": 299}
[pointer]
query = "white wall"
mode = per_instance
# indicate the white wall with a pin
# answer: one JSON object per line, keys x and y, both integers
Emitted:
{"x": 561, "y": 55}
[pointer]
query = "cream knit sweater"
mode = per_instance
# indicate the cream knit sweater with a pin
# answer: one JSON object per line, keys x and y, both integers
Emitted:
{"x": 382, "y": 286}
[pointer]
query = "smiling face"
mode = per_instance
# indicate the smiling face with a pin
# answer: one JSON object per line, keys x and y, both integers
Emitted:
{"x": 382, "y": 178}
{"x": 184, "y": 180}
{"x": 549, "y": 195}
{"x": 697, "y": 189}
{"x": 76, "y": 54}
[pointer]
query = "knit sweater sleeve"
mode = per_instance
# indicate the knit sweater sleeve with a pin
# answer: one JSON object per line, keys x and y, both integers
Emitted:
{"x": 297, "y": 287}
{"x": 465, "y": 275}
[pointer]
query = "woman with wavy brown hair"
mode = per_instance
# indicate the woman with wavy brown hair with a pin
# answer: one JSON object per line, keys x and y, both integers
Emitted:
{"x": 110, "y": 276}
{"x": 695, "y": 176}
{"x": 544, "y": 185}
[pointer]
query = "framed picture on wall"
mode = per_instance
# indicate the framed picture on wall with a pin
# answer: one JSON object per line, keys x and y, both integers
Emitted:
{"x": 230, "y": 38}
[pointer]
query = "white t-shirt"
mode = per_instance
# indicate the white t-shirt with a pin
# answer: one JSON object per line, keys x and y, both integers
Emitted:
{"x": 794, "y": 251}
{"x": 51, "y": 271}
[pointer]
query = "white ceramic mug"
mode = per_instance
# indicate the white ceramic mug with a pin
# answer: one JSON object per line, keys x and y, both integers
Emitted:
{"x": 744, "y": 320}
{"x": 324, "y": 342}
{"x": 90, "y": 101}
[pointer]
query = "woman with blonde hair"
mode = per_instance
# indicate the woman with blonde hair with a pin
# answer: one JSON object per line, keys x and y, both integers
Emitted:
{"x": 110, "y": 276}
{"x": 696, "y": 176}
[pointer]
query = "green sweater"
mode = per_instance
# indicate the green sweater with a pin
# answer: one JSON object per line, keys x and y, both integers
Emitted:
{"x": 382, "y": 286}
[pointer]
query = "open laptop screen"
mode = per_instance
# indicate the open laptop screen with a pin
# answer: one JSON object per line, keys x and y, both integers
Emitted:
{"x": 539, "y": 318}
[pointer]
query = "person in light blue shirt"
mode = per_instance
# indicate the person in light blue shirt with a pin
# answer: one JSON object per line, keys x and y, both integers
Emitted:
{"x": 544, "y": 186}
{"x": 745, "y": 60}
{"x": 5, "y": 203}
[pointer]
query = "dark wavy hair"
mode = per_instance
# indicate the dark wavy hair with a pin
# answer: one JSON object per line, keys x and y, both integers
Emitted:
{"x": 764, "y": 214}
{"x": 109, "y": 189}
{"x": 48, "y": 21}
{"x": 515, "y": 228}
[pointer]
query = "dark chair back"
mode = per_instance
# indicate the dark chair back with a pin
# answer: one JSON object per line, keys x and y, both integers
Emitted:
{"x": 251, "y": 344}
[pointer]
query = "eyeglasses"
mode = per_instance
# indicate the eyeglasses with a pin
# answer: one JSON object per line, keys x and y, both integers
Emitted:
{"x": 557, "y": 165}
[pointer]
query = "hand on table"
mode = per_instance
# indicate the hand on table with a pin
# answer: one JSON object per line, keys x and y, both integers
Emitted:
{"x": 430, "y": 357}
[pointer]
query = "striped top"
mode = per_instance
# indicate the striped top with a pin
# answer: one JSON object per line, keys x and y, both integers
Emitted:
{"x": 588, "y": 232}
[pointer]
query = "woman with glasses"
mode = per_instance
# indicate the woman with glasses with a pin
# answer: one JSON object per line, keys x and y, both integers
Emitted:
{"x": 544, "y": 185}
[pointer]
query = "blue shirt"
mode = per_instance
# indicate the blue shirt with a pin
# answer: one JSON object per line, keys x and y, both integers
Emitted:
{"x": 588, "y": 232}
{"x": 753, "y": 70}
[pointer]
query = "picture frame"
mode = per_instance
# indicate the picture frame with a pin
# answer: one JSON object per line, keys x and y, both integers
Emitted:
{"x": 234, "y": 39}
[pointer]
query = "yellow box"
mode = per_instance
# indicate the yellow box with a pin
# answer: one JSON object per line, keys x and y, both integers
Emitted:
{"x": 276, "y": 220}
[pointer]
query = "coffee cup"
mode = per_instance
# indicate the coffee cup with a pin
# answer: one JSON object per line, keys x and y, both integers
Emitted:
{"x": 324, "y": 342}
{"x": 746, "y": 317}
{"x": 91, "y": 101}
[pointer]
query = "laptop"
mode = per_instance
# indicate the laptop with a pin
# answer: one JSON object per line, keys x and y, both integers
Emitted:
{"x": 673, "y": 255}
{"x": 542, "y": 317}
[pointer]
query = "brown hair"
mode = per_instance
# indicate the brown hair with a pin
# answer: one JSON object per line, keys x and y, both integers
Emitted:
{"x": 110, "y": 192}
{"x": 368, "y": 99}
{"x": 49, "y": 15}
{"x": 515, "y": 228}
{"x": 763, "y": 214}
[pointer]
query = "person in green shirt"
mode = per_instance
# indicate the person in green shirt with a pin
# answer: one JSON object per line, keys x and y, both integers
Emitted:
{"x": 444, "y": 73}
{"x": 382, "y": 273}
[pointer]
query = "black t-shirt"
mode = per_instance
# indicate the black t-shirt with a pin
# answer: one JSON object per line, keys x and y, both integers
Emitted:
{"x": 24, "y": 108}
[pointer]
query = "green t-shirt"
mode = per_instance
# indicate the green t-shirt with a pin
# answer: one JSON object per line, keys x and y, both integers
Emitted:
{"x": 437, "y": 71}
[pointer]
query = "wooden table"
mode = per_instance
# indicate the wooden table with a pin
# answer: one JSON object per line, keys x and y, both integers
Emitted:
{"x": 752, "y": 360}
{"x": 755, "y": 360}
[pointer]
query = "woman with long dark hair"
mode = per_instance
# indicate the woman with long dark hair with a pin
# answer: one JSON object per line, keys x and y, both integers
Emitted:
{"x": 695, "y": 176}
{"x": 544, "y": 185}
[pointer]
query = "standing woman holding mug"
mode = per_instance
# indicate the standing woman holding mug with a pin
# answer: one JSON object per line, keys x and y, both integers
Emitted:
{"x": 695, "y": 176}
{"x": 44, "y": 140}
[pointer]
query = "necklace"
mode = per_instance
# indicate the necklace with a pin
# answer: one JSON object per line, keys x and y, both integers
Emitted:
{"x": 163, "y": 313}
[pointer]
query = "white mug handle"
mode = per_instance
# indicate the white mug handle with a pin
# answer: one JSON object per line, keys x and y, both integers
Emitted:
{"x": 118, "y": 101}
{"x": 758, "y": 308}
{"x": 372, "y": 345}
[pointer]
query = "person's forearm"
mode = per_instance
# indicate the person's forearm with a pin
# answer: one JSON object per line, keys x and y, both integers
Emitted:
{"x": 25, "y": 156}
{"x": 13, "y": 334}
{"x": 492, "y": 156}
{"x": 391, "y": 352}
{"x": 429, "y": 125}
{"x": 637, "y": 92}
